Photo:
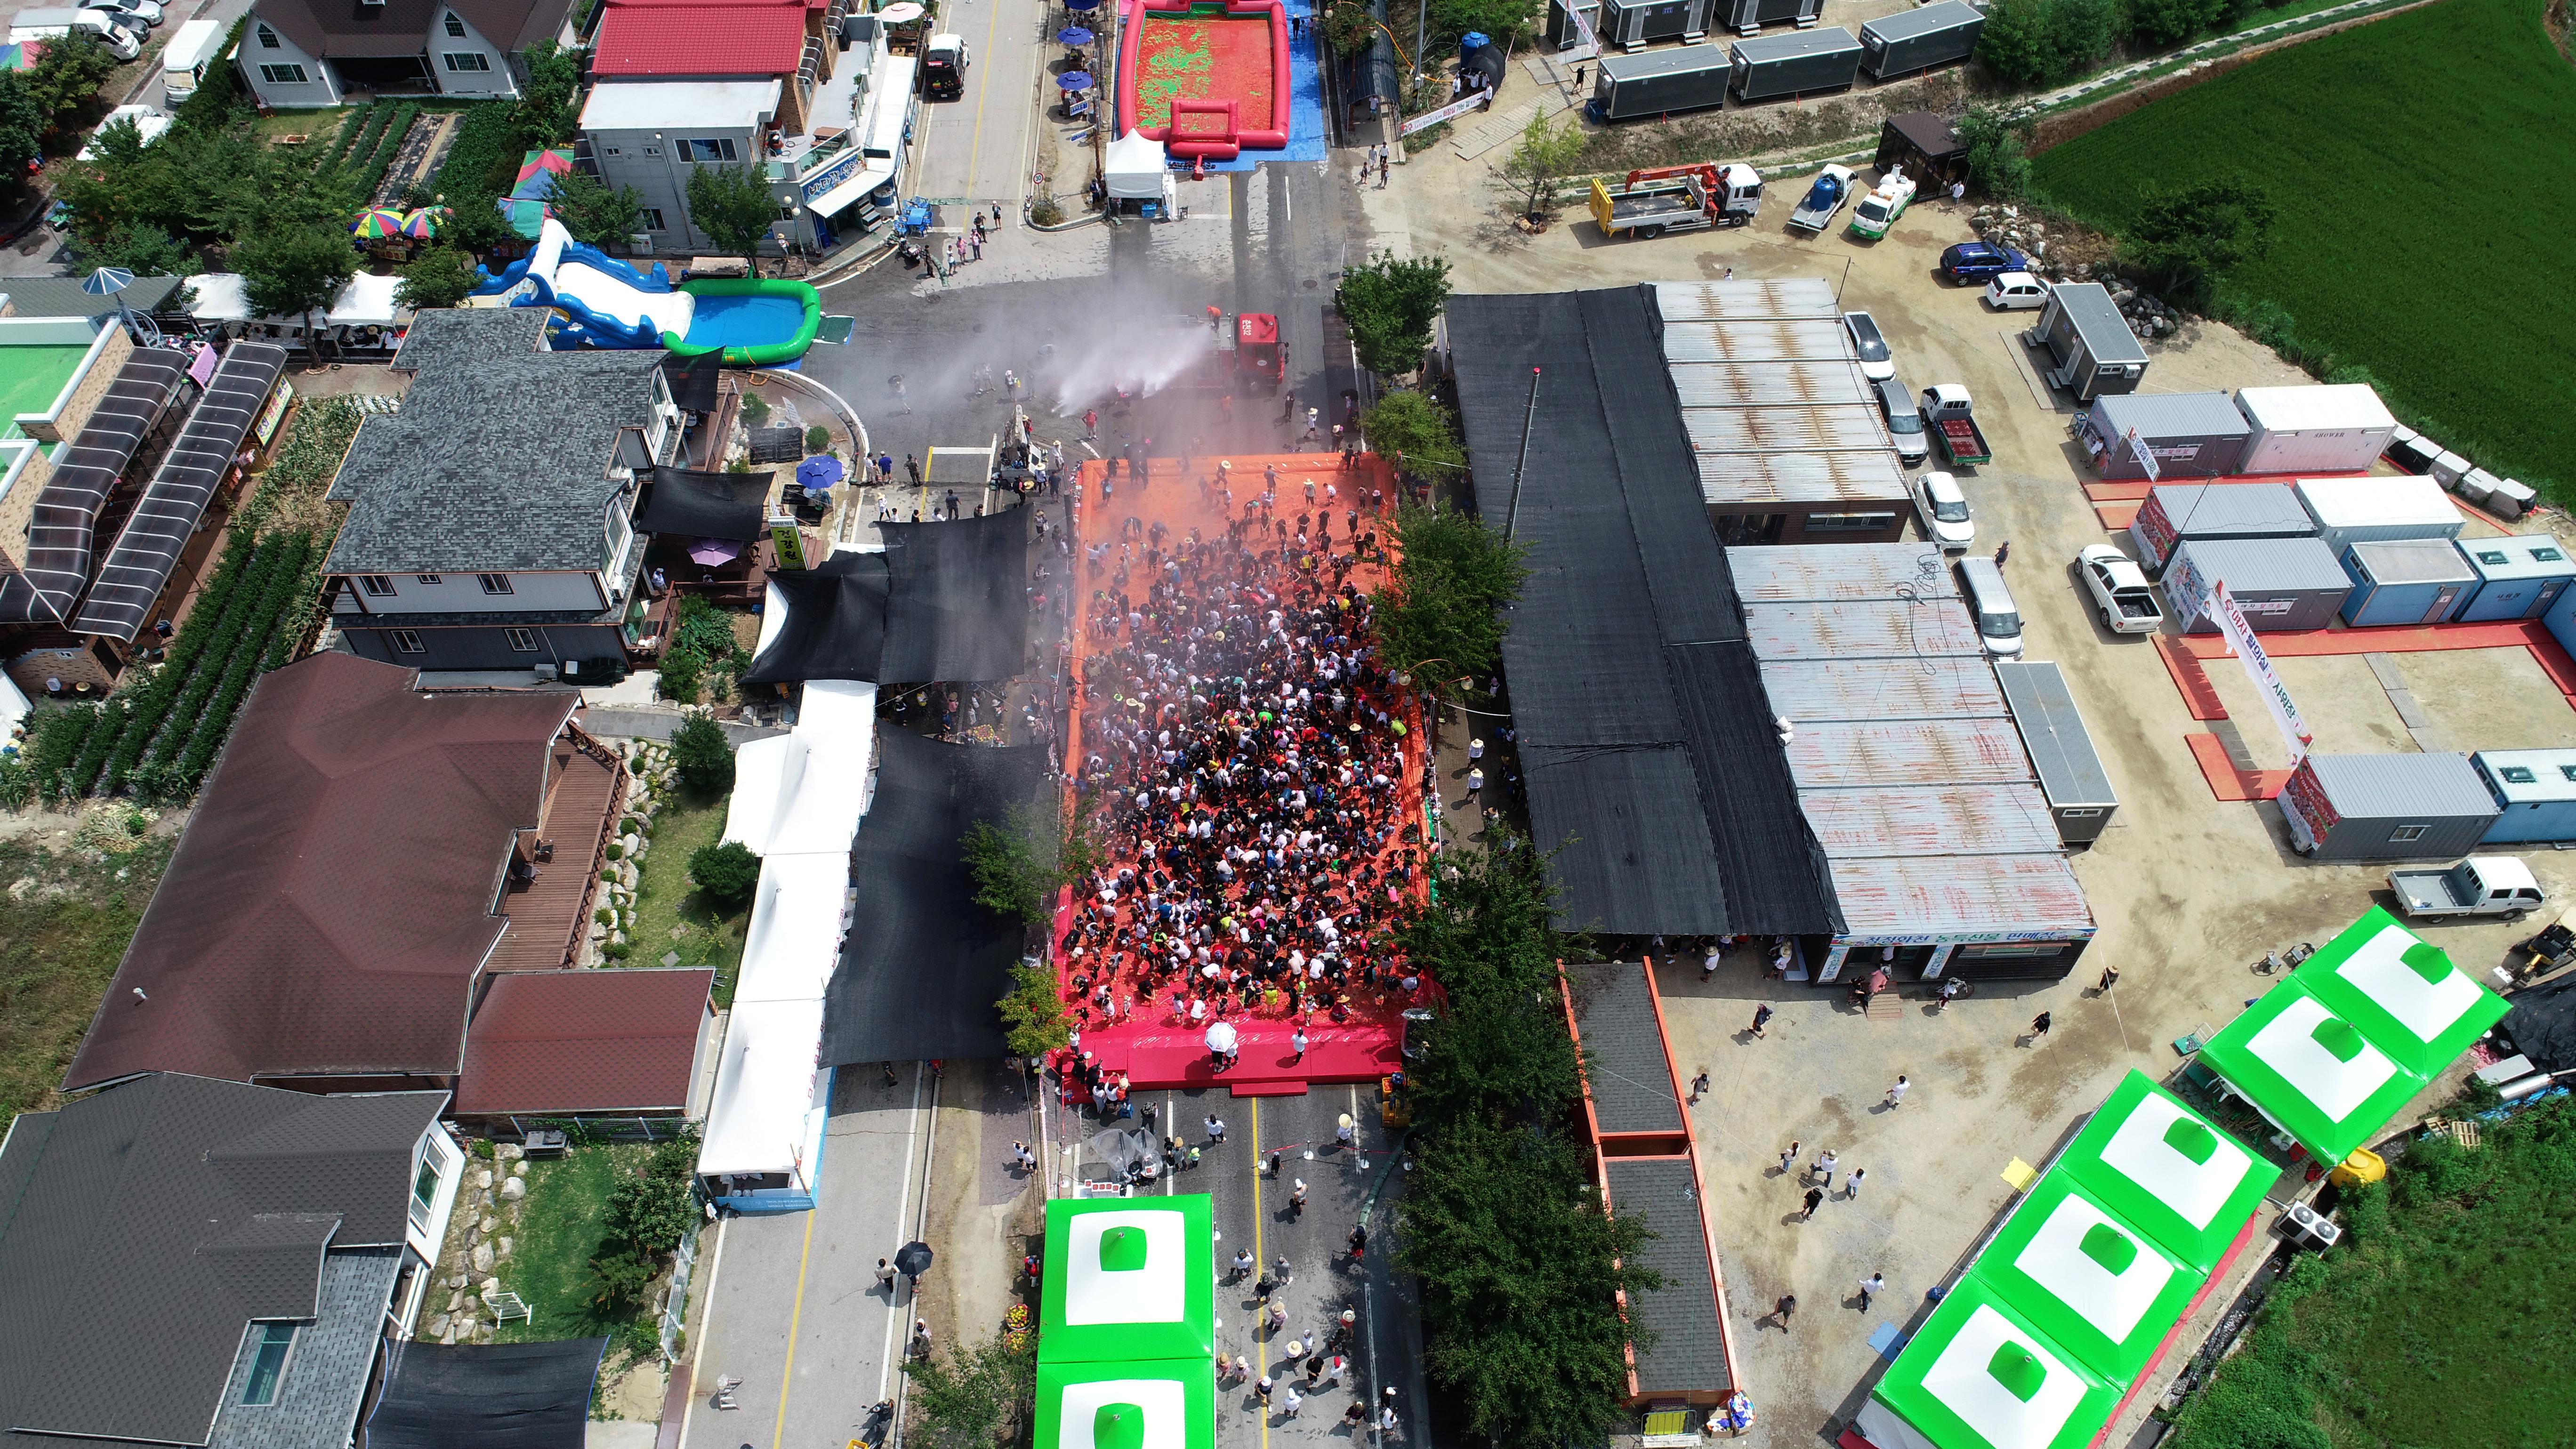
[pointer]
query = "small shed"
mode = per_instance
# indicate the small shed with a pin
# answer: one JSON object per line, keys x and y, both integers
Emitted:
{"x": 2518, "y": 577}
{"x": 2537, "y": 790}
{"x": 2280, "y": 583}
{"x": 2378, "y": 510}
{"x": 2409, "y": 581}
{"x": 2091, "y": 350}
{"x": 2189, "y": 434}
{"x": 2387, "y": 807}
{"x": 2177, "y": 511}
{"x": 2080, "y": 798}
{"x": 1926, "y": 146}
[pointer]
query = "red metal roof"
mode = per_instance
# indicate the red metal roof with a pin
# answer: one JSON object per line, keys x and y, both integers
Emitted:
{"x": 557, "y": 1042}
{"x": 699, "y": 38}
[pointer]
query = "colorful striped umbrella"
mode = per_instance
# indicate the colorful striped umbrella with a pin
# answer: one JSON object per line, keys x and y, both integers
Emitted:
{"x": 426, "y": 221}
{"x": 378, "y": 221}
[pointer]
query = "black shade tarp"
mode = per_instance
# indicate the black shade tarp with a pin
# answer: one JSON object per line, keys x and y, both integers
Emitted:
{"x": 835, "y": 624}
{"x": 923, "y": 964}
{"x": 695, "y": 382}
{"x": 2543, "y": 1024}
{"x": 706, "y": 505}
{"x": 1652, "y": 764}
{"x": 487, "y": 1396}
{"x": 958, "y": 604}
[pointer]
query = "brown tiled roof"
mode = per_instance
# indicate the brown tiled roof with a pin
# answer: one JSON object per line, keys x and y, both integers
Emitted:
{"x": 401, "y": 27}
{"x": 332, "y": 901}
{"x": 558, "y": 1042}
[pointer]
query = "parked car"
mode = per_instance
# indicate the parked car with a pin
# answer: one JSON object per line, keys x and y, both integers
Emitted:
{"x": 2482, "y": 885}
{"x": 1942, "y": 509}
{"x": 1904, "y": 424}
{"x": 146, "y": 12}
{"x": 1876, "y": 362}
{"x": 2119, "y": 589}
{"x": 2016, "y": 292}
{"x": 1969, "y": 261}
{"x": 1991, "y": 605}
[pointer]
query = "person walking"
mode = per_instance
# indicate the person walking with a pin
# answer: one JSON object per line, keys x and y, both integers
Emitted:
{"x": 1215, "y": 1131}
{"x": 885, "y": 466}
{"x": 1869, "y": 1287}
{"x": 2038, "y": 1027}
{"x": 1851, "y": 1184}
{"x": 1090, "y": 424}
{"x": 1261, "y": 1390}
{"x": 1815, "y": 1195}
{"x": 1699, "y": 1085}
{"x": 1825, "y": 1164}
{"x": 1781, "y": 1310}
{"x": 2110, "y": 978}
{"x": 2003, "y": 551}
{"x": 1290, "y": 1401}
{"x": 920, "y": 1338}
{"x": 1896, "y": 1094}
{"x": 1789, "y": 1160}
{"x": 1262, "y": 1290}
{"x": 1297, "y": 1201}
{"x": 1359, "y": 1244}
{"x": 912, "y": 469}
{"x": 1761, "y": 1018}
{"x": 885, "y": 1275}
{"x": 1297, "y": 1044}
{"x": 1021, "y": 1154}
{"x": 1708, "y": 963}
{"x": 1242, "y": 1265}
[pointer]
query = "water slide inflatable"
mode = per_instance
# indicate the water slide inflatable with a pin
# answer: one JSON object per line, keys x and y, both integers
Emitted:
{"x": 755, "y": 322}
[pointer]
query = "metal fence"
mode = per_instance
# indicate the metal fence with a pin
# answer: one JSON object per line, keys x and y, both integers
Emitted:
{"x": 675, "y": 1306}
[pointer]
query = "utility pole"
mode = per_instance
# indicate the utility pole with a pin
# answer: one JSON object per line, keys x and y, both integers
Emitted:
{"x": 1512, "y": 520}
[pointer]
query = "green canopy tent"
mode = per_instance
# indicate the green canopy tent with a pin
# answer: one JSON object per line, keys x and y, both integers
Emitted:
{"x": 1981, "y": 1375}
{"x": 1146, "y": 1404}
{"x": 1128, "y": 1280}
{"x": 2313, "y": 1074}
{"x": 2166, "y": 1171}
{"x": 2402, "y": 992}
{"x": 2095, "y": 1285}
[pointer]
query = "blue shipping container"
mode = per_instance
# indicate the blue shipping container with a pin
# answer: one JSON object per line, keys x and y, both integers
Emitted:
{"x": 2406, "y": 581}
{"x": 2518, "y": 577}
{"x": 2537, "y": 789}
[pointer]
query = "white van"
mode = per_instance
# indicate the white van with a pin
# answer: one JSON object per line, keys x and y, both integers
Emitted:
{"x": 54, "y": 24}
{"x": 1998, "y": 618}
{"x": 192, "y": 48}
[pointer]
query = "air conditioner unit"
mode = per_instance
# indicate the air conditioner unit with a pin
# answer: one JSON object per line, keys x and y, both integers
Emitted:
{"x": 641, "y": 242}
{"x": 2305, "y": 1227}
{"x": 545, "y": 671}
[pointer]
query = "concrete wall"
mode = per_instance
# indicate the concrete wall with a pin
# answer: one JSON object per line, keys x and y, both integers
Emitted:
{"x": 72, "y": 664}
{"x": 24, "y": 481}
{"x": 80, "y": 396}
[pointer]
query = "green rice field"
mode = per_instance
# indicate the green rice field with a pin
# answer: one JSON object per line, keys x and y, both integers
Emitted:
{"x": 2427, "y": 231}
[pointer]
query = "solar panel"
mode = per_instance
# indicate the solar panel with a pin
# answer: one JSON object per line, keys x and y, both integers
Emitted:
{"x": 147, "y": 549}
{"x": 85, "y": 471}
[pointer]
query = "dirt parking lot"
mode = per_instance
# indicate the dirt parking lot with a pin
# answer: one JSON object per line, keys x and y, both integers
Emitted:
{"x": 2188, "y": 891}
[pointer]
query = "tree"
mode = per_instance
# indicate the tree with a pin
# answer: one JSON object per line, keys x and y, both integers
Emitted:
{"x": 140, "y": 248}
{"x": 1440, "y": 615}
{"x": 1390, "y": 305}
{"x": 981, "y": 1397}
{"x": 1414, "y": 431}
{"x": 1349, "y": 27}
{"x": 295, "y": 271}
{"x": 68, "y": 74}
{"x": 1034, "y": 1021}
{"x": 1544, "y": 154}
{"x": 2194, "y": 235}
{"x": 217, "y": 101}
{"x": 2082, "y": 33}
{"x": 702, "y": 754}
{"x": 1997, "y": 165}
{"x": 593, "y": 211}
{"x": 2016, "y": 43}
{"x": 2160, "y": 23}
{"x": 733, "y": 205}
{"x": 544, "y": 115}
{"x": 726, "y": 873}
{"x": 22, "y": 121}
{"x": 439, "y": 277}
{"x": 1501, "y": 19}
{"x": 1014, "y": 867}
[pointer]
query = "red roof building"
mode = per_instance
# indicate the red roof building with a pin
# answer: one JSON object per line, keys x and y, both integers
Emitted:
{"x": 554, "y": 1043}
{"x": 668, "y": 39}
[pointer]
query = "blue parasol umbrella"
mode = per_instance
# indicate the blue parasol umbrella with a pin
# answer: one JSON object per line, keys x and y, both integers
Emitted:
{"x": 818, "y": 473}
{"x": 1074, "y": 35}
{"x": 1079, "y": 5}
{"x": 1074, "y": 80}
{"x": 107, "y": 282}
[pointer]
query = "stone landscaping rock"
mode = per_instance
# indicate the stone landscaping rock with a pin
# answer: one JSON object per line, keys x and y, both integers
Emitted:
{"x": 503, "y": 1250}
{"x": 482, "y": 1258}
{"x": 518, "y": 1169}
{"x": 670, "y": 958}
{"x": 483, "y": 1177}
{"x": 491, "y": 1287}
{"x": 515, "y": 1189}
{"x": 437, "y": 1327}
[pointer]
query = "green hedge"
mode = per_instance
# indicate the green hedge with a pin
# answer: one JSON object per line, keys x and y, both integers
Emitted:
{"x": 371, "y": 171}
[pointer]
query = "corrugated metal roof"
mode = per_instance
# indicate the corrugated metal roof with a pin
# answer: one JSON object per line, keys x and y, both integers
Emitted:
{"x": 2553, "y": 774}
{"x": 1960, "y": 894}
{"x": 2172, "y": 415}
{"x": 1775, "y": 298}
{"x": 1776, "y": 430}
{"x": 2412, "y": 561}
{"x": 1839, "y": 753}
{"x": 1772, "y": 384}
{"x": 1871, "y": 629}
{"x": 1756, "y": 341}
{"x": 1728, "y": 480}
{"x": 2214, "y": 510}
{"x": 1886, "y": 689}
{"x": 2052, "y": 730}
{"x": 2097, "y": 320}
{"x": 1815, "y": 573}
{"x": 2523, "y": 556}
{"x": 2266, "y": 565}
{"x": 2385, "y": 787}
{"x": 1942, "y": 820}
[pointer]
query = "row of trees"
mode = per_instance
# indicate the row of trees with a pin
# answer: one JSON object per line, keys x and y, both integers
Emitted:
{"x": 36, "y": 101}
{"x": 2044, "y": 42}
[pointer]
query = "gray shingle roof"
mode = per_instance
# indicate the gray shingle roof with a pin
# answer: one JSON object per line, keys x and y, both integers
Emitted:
{"x": 327, "y": 1369}
{"x": 1689, "y": 1349}
{"x": 451, "y": 337}
{"x": 63, "y": 297}
{"x": 156, "y": 1218}
{"x": 495, "y": 466}
{"x": 1632, "y": 1084}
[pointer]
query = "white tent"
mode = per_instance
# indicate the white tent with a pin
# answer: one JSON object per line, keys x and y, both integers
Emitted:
{"x": 770, "y": 1098}
{"x": 797, "y": 916}
{"x": 366, "y": 301}
{"x": 802, "y": 793}
{"x": 1135, "y": 168}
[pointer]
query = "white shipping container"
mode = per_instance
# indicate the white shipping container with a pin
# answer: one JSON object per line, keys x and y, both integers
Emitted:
{"x": 2378, "y": 510}
{"x": 2322, "y": 428}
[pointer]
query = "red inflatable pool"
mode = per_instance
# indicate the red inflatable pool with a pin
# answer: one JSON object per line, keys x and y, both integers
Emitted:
{"x": 1207, "y": 79}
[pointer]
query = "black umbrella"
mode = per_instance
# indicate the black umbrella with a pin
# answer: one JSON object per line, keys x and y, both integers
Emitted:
{"x": 913, "y": 1259}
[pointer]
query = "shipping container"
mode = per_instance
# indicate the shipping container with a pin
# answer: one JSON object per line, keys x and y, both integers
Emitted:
{"x": 2177, "y": 511}
{"x": 2387, "y": 807}
{"x": 2091, "y": 350}
{"x": 1747, "y": 17}
{"x": 2319, "y": 428}
{"x": 1635, "y": 24}
{"x": 2536, "y": 789}
{"x": 1564, "y": 30}
{"x": 1913, "y": 40}
{"x": 2189, "y": 434}
{"x": 2071, "y": 777}
{"x": 1659, "y": 82}
{"x": 2410, "y": 581}
{"x": 2518, "y": 577}
{"x": 1808, "y": 63}
{"x": 2280, "y": 583}
{"x": 2377, "y": 510}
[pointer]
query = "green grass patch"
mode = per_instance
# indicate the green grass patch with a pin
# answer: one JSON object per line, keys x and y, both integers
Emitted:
{"x": 2411, "y": 241}
{"x": 2434, "y": 1325}
{"x": 559, "y": 1235}
{"x": 665, "y": 901}
{"x": 61, "y": 937}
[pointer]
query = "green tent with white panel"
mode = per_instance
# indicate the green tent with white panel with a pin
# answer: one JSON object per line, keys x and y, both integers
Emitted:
{"x": 2314, "y": 1074}
{"x": 2402, "y": 992}
{"x": 2099, "y": 1288}
{"x": 1146, "y": 1404}
{"x": 1128, "y": 1280}
{"x": 2168, "y": 1172}
{"x": 1981, "y": 1375}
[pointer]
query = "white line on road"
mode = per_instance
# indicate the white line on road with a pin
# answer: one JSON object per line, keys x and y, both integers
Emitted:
{"x": 929, "y": 1144}
{"x": 885, "y": 1359}
{"x": 698, "y": 1350}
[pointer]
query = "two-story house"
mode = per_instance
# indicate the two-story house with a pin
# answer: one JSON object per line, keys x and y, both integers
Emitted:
{"x": 491, "y": 521}
{"x": 314, "y": 52}
{"x": 800, "y": 88}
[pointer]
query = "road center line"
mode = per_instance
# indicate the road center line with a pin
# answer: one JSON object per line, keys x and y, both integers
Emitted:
{"x": 795, "y": 1316}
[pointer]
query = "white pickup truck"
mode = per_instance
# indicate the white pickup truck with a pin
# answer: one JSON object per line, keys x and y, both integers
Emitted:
{"x": 2482, "y": 885}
